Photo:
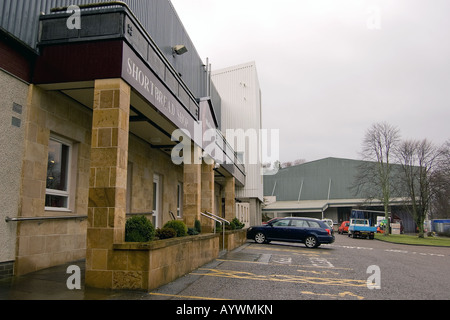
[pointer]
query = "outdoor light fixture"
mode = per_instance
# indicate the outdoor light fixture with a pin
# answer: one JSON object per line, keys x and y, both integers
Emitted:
{"x": 179, "y": 49}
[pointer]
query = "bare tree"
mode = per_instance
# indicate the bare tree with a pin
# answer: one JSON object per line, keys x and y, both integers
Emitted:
{"x": 299, "y": 161}
{"x": 440, "y": 206}
{"x": 422, "y": 163}
{"x": 292, "y": 163}
{"x": 286, "y": 164}
{"x": 374, "y": 178}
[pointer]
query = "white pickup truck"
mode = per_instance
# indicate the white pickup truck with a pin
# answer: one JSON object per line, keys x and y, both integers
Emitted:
{"x": 361, "y": 228}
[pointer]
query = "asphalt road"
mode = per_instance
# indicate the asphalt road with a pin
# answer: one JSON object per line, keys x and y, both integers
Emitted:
{"x": 340, "y": 271}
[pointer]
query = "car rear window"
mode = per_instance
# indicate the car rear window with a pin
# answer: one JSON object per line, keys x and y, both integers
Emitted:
{"x": 314, "y": 224}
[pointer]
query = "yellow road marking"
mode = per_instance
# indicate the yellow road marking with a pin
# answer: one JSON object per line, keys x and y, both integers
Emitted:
{"x": 183, "y": 297}
{"x": 282, "y": 278}
{"x": 319, "y": 272}
{"x": 299, "y": 251}
{"x": 281, "y": 264}
{"x": 339, "y": 295}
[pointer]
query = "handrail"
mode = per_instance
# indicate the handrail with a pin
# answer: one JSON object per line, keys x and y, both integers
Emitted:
{"x": 221, "y": 220}
{"x": 217, "y": 217}
{"x": 139, "y": 213}
{"x": 146, "y": 35}
{"x": 93, "y": 5}
{"x": 203, "y": 214}
{"x": 19, "y": 219}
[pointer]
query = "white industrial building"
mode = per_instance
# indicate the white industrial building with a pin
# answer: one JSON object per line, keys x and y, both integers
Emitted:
{"x": 240, "y": 94}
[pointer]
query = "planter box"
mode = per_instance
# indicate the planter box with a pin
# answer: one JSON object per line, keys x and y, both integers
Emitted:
{"x": 146, "y": 266}
{"x": 233, "y": 239}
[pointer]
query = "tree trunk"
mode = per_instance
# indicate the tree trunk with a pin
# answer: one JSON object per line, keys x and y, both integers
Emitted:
{"x": 420, "y": 227}
{"x": 387, "y": 229}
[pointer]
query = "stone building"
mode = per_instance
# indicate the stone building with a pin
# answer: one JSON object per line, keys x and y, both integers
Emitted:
{"x": 99, "y": 104}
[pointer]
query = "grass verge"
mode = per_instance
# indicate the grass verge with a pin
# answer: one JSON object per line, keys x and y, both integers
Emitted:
{"x": 415, "y": 240}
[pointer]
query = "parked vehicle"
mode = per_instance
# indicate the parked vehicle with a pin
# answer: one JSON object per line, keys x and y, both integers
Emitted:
{"x": 312, "y": 232}
{"x": 271, "y": 220}
{"x": 361, "y": 228}
{"x": 343, "y": 227}
{"x": 328, "y": 222}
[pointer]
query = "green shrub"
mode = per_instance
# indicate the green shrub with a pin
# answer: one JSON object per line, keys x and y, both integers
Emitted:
{"x": 166, "y": 233}
{"x": 230, "y": 226}
{"x": 237, "y": 223}
{"x": 139, "y": 229}
{"x": 179, "y": 226}
{"x": 198, "y": 226}
{"x": 192, "y": 232}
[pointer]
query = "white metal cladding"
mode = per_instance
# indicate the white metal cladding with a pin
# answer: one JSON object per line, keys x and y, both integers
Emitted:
{"x": 20, "y": 18}
{"x": 239, "y": 90}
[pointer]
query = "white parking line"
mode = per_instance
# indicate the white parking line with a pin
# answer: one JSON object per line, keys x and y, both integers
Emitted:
{"x": 321, "y": 262}
{"x": 392, "y": 250}
{"x": 421, "y": 253}
{"x": 282, "y": 260}
{"x": 352, "y": 247}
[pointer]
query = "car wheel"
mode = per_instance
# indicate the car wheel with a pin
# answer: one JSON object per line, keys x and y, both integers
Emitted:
{"x": 311, "y": 242}
{"x": 260, "y": 237}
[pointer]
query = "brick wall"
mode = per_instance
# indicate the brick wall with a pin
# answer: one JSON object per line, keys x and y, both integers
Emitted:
{"x": 6, "y": 269}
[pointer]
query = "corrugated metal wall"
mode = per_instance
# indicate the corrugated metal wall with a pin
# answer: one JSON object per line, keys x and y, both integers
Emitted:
{"x": 21, "y": 19}
{"x": 333, "y": 177}
{"x": 239, "y": 89}
{"x": 316, "y": 176}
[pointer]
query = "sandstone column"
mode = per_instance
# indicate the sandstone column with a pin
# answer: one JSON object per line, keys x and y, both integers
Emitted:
{"x": 230, "y": 196}
{"x": 108, "y": 178}
{"x": 192, "y": 187}
{"x": 207, "y": 196}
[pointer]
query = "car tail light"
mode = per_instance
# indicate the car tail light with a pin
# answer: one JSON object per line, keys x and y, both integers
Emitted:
{"x": 329, "y": 231}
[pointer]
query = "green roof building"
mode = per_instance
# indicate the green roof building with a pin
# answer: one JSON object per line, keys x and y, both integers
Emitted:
{"x": 324, "y": 189}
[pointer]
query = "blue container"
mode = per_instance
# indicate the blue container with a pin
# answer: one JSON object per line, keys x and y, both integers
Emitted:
{"x": 441, "y": 225}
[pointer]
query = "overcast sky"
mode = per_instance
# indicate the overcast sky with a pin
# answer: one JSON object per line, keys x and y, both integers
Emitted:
{"x": 328, "y": 69}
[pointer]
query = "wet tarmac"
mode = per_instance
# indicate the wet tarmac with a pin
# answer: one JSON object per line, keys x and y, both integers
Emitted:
{"x": 51, "y": 284}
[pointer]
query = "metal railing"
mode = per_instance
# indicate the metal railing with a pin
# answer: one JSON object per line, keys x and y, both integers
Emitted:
{"x": 192, "y": 107}
{"x": 228, "y": 151}
{"x": 130, "y": 214}
{"x": 20, "y": 219}
{"x": 221, "y": 220}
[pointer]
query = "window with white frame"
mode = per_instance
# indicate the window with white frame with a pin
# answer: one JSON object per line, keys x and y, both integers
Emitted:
{"x": 57, "y": 195}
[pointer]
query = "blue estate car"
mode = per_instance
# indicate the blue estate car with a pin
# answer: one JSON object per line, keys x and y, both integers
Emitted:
{"x": 312, "y": 232}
